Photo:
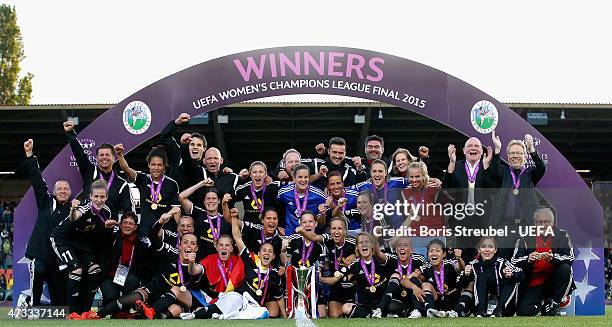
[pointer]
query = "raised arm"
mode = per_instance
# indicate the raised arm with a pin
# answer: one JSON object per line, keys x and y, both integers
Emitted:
{"x": 74, "y": 213}
{"x": 236, "y": 233}
{"x": 77, "y": 150}
{"x": 129, "y": 172}
{"x": 194, "y": 268}
{"x": 41, "y": 190}
{"x": 227, "y": 213}
{"x": 538, "y": 170}
{"x": 184, "y": 196}
{"x": 311, "y": 236}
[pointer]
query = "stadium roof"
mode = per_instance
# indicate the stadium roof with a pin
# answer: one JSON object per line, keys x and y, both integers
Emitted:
{"x": 580, "y": 131}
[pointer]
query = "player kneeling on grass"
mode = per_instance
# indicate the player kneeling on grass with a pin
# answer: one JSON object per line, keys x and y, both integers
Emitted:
{"x": 495, "y": 280}
{"x": 306, "y": 257}
{"x": 371, "y": 278}
{"x": 179, "y": 276}
{"x": 340, "y": 253}
{"x": 219, "y": 299}
{"x": 406, "y": 295}
{"x": 74, "y": 241}
{"x": 261, "y": 289}
{"x": 440, "y": 283}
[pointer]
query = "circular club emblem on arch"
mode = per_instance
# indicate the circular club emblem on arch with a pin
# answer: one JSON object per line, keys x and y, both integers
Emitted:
{"x": 484, "y": 117}
{"x": 136, "y": 117}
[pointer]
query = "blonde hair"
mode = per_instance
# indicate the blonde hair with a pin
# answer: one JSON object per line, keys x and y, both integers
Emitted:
{"x": 258, "y": 163}
{"x": 420, "y": 165}
{"x": 369, "y": 236}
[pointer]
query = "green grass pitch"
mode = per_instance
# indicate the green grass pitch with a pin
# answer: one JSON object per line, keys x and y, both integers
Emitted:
{"x": 469, "y": 322}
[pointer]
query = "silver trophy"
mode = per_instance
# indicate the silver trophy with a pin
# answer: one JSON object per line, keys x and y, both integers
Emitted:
{"x": 305, "y": 288}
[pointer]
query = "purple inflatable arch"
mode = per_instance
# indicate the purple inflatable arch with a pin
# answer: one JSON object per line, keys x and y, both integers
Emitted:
{"x": 349, "y": 72}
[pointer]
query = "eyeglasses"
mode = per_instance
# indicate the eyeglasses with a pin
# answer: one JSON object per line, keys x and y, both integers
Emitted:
{"x": 516, "y": 153}
{"x": 544, "y": 221}
{"x": 373, "y": 146}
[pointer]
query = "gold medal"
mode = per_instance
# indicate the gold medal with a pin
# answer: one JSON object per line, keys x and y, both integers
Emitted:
{"x": 372, "y": 288}
{"x": 337, "y": 274}
{"x": 153, "y": 206}
{"x": 515, "y": 191}
{"x": 183, "y": 288}
{"x": 258, "y": 292}
{"x": 404, "y": 293}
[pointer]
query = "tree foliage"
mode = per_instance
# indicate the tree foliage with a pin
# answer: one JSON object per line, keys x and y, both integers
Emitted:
{"x": 13, "y": 89}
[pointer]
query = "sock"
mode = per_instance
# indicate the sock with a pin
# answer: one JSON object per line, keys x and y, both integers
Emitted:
{"x": 465, "y": 303}
{"x": 429, "y": 300}
{"x": 91, "y": 284}
{"x": 163, "y": 303}
{"x": 125, "y": 302}
{"x": 166, "y": 314}
{"x": 393, "y": 288}
{"x": 207, "y": 312}
{"x": 73, "y": 285}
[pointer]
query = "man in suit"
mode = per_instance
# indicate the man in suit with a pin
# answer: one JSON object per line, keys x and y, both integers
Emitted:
{"x": 467, "y": 182}
{"x": 516, "y": 199}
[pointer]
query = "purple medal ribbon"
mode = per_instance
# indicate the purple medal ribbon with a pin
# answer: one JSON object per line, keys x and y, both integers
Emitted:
{"x": 305, "y": 253}
{"x": 337, "y": 259}
{"x": 98, "y": 213}
{"x": 111, "y": 178}
{"x": 254, "y": 196}
{"x": 215, "y": 232}
{"x": 179, "y": 263}
{"x": 263, "y": 236}
{"x": 516, "y": 181}
{"x": 370, "y": 277}
{"x": 385, "y": 192}
{"x": 440, "y": 274}
{"x": 263, "y": 283}
{"x": 301, "y": 207}
{"x": 155, "y": 191}
{"x": 222, "y": 269}
{"x": 401, "y": 270}
{"x": 343, "y": 206}
{"x": 496, "y": 276}
{"x": 471, "y": 177}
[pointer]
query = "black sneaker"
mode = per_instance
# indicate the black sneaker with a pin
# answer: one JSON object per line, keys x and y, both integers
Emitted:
{"x": 553, "y": 309}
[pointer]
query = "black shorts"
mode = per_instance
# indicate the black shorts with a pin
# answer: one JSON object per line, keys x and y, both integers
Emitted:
{"x": 342, "y": 294}
{"x": 448, "y": 301}
{"x": 157, "y": 287}
{"x": 72, "y": 256}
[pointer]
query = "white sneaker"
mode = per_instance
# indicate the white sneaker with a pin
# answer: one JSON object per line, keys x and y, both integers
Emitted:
{"x": 187, "y": 315}
{"x": 452, "y": 314}
{"x": 415, "y": 314}
{"x": 392, "y": 315}
{"x": 433, "y": 313}
{"x": 217, "y": 316}
{"x": 377, "y": 313}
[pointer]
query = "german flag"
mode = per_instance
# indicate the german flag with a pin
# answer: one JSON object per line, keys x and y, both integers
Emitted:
{"x": 235, "y": 275}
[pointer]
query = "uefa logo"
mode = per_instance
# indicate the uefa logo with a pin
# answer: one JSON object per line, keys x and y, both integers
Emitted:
{"x": 484, "y": 117}
{"x": 136, "y": 117}
{"x": 87, "y": 143}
